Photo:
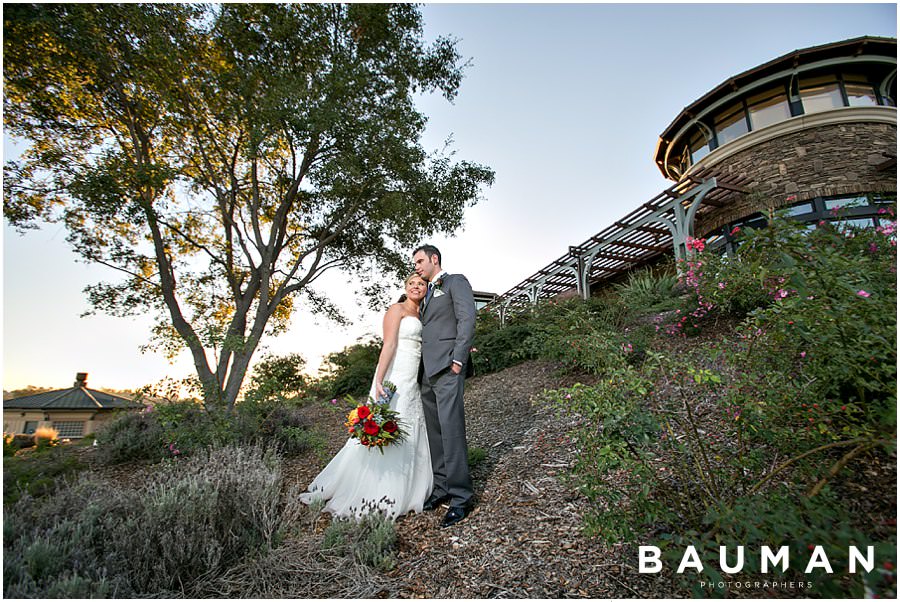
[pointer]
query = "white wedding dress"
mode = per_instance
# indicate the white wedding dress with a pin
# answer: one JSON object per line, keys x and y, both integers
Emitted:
{"x": 359, "y": 479}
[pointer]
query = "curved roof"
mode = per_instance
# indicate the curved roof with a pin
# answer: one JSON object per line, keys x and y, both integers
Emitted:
{"x": 76, "y": 398}
{"x": 848, "y": 48}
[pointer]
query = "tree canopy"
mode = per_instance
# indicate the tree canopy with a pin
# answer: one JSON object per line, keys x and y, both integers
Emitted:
{"x": 222, "y": 158}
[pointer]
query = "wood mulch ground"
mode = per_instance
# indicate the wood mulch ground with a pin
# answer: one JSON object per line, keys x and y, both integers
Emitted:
{"x": 524, "y": 539}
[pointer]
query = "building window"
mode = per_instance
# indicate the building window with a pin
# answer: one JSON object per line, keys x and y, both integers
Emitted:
{"x": 768, "y": 108}
{"x": 858, "y": 223}
{"x": 860, "y": 93}
{"x": 30, "y": 427}
{"x": 845, "y": 202}
{"x": 69, "y": 430}
{"x": 820, "y": 94}
{"x": 731, "y": 124}
{"x": 800, "y": 209}
{"x": 699, "y": 146}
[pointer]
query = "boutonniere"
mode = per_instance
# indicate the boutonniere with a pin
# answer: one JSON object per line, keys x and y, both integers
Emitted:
{"x": 437, "y": 292}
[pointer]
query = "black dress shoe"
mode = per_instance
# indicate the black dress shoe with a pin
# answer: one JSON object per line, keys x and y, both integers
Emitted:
{"x": 434, "y": 501}
{"x": 456, "y": 514}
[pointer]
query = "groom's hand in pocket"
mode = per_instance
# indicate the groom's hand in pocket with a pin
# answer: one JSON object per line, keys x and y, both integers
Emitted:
{"x": 457, "y": 368}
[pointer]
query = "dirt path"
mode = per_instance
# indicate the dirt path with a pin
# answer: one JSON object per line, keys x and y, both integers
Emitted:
{"x": 524, "y": 538}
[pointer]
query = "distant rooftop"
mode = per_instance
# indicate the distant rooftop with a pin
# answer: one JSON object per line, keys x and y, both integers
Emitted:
{"x": 78, "y": 397}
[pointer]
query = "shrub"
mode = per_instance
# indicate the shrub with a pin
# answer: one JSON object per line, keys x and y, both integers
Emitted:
{"x": 501, "y": 348}
{"x": 192, "y": 520}
{"x": 785, "y": 520}
{"x": 371, "y": 540}
{"x": 129, "y": 437}
{"x": 39, "y": 473}
{"x": 586, "y": 335}
{"x": 610, "y": 470}
{"x": 649, "y": 290}
{"x": 830, "y": 311}
{"x": 189, "y": 428}
{"x": 183, "y": 428}
{"x": 13, "y": 443}
{"x": 46, "y": 436}
{"x": 476, "y": 456}
{"x": 741, "y": 443}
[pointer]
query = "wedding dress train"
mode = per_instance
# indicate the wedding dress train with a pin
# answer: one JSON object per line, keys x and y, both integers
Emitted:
{"x": 359, "y": 480}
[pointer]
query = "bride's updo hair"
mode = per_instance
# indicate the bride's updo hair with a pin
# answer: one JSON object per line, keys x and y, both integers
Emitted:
{"x": 403, "y": 297}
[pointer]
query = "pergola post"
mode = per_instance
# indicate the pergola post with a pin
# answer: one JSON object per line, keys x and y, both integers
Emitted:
{"x": 684, "y": 218}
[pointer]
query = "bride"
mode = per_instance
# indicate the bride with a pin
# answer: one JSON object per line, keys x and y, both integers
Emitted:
{"x": 360, "y": 480}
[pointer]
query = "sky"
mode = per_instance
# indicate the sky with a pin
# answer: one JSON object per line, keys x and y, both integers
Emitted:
{"x": 565, "y": 102}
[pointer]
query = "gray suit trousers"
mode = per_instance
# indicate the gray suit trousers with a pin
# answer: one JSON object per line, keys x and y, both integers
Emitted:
{"x": 442, "y": 399}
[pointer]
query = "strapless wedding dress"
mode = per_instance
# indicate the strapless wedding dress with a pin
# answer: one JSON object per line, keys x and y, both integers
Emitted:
{"x": 360, "y": 480}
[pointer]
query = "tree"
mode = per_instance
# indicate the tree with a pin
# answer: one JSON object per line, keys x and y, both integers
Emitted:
{"x": 275, "y": 376}
{"x": 349, "y": 371}
{"x": 223, "y": 158}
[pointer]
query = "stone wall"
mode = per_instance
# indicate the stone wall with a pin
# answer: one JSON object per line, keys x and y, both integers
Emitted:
{"x": 828, "y": 160}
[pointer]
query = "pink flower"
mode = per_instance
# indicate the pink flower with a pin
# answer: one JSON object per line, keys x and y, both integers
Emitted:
{"x": 735, "y": 230}
{"x": 887, "y": 228}
{"x": 695, "y": 244}
{"x": 721, "y": 285}
{"x": 803, "y": 354}
{"x": 863, "y": 294}
{"x": 780, "y": 294}
{"x": 334, "y": 402}
{"x": 792, "y": 197}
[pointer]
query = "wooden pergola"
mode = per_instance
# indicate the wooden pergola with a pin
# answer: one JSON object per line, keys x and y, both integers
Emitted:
{"x": 661, "y": 225}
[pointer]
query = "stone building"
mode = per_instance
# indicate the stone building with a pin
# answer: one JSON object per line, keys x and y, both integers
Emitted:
{"x": 813, "y": 132}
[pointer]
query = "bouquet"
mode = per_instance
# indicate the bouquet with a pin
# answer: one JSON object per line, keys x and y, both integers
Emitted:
{"x": 374, "y": 423}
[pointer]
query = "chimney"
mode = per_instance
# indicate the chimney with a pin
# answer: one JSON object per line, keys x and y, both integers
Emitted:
{"x": 81, "y": 379}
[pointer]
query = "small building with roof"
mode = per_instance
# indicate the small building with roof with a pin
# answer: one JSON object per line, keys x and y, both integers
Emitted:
{"x": 74, "y": 412}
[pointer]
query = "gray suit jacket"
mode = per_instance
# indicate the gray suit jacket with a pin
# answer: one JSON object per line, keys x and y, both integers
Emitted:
{"x": 448, "y": 324}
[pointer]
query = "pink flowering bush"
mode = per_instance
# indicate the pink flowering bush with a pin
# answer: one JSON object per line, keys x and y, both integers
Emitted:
{"x": 833, "y": 314}
{"x": 747, "y": 438}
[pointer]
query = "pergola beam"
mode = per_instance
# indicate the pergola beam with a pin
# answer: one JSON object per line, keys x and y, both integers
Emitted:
{"x": 670, "y": 214}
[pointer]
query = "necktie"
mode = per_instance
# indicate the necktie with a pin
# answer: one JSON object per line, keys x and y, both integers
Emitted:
{"x": 427, "y": 297}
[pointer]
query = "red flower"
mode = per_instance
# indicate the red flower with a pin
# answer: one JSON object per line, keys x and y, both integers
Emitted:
{"x": 363, "y": 412}
{"x": 371, "y": 427}
{"x": 390, "y": 426}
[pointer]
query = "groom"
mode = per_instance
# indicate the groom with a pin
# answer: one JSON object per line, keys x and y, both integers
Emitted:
{"x": 448, "y": 327}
